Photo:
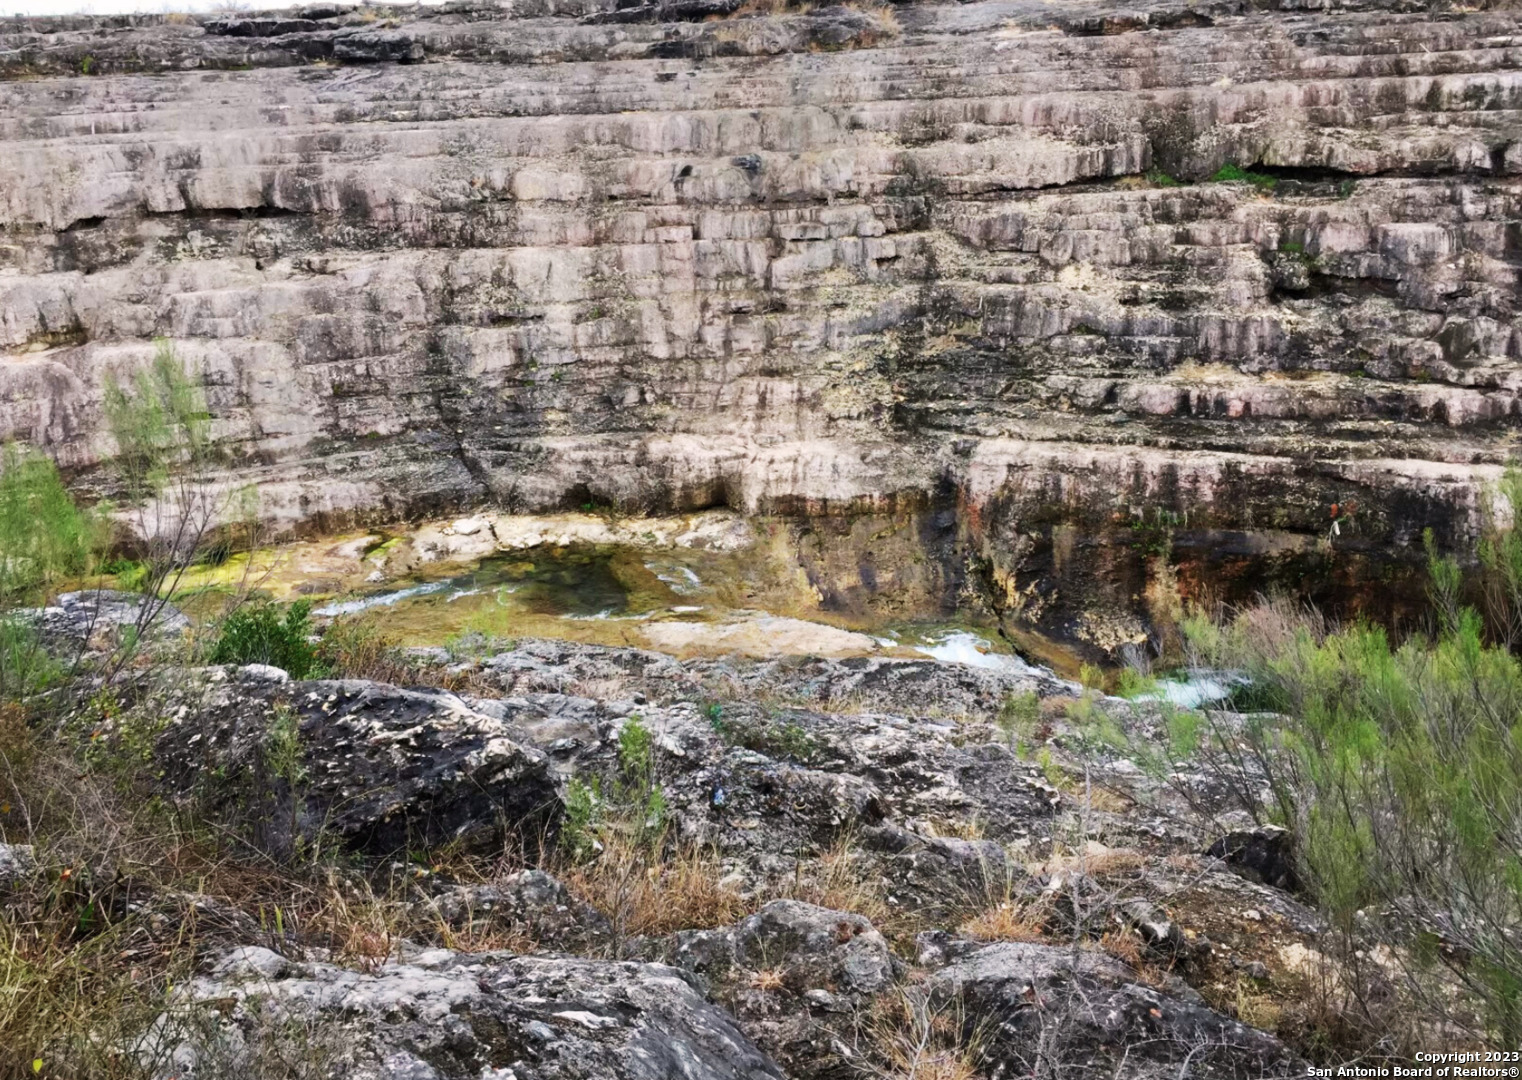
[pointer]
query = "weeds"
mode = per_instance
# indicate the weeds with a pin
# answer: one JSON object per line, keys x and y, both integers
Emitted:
{"x": 910, "y": 1037}
{"x": 359, "y": 649}
{"x": 839, "y": 879}
{"x": 1398, "y": 769}
{"x": 1019, "y": 719}
{"x": 1007, "y": 920}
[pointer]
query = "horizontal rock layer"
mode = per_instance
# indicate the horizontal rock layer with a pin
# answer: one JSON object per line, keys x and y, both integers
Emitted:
{"x": 928, "y": 257}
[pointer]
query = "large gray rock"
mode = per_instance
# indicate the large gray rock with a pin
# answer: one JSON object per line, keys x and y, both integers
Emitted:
{"x": 779, "y": 782}
{"x": 529, "y": 903}
{"x": 99, "y": 618}
{"x": 802, "y": 946}
{"x": 797, "y": 976}
{"x": 1071, "y": 1012}
{"x": 451, "y": 1016}
{"x": 379, "y": 768}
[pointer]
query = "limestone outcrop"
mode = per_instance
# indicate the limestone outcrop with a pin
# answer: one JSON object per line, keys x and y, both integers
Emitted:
{"x": 978, "y": 264}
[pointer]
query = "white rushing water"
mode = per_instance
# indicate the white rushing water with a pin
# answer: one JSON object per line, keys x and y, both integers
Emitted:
{"x": 681, "y": 580}
{"x": 961, "y": 647}
{"x": 365, "y": 603}
{"x": 1195, "y": 689}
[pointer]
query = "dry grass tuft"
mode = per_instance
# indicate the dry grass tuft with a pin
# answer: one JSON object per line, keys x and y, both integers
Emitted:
{"x": 1124, "y": 946}
{"x": 1095, "y": 859}
{"x": 909, "y": 1038}
{"x": 967, "y": 828}
{"x": 769, "y": 979}
{"x": 1007, "y": 921}
{"x": 1257, "y": 1009}
{"x": 839, "y": 879}
{"x": 644, "y": 890}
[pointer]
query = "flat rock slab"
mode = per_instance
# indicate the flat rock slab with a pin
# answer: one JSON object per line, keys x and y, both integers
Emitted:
{"x": 454, "y": 1016}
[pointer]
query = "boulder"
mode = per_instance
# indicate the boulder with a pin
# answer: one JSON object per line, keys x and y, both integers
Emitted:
{"x": 441, "y": 1015}
{"x": 797, "y": 977}
{"x": 943, "y": 872}
{"x": 802, "y": 946}
{"x": 95, "y": 618}
{"x": 1062, "y": 1011}
{"x": 532, "y": 903}
{"x": 379, "y": 768}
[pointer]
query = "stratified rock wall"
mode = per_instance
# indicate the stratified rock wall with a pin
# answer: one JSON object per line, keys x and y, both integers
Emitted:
{"x": 929, "y": 256}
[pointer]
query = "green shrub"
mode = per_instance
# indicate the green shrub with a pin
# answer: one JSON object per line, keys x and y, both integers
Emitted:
{"x": 583, "y": 808}
{"x": 1399, "y": 770}
{"x": 1020, "y": 720}
{"x": 268, "y": 634}
{"x": 44, "y": 538}
{"x": 1227, "y": 174}
{"x": 788, "y": 739}
{"x": 43, "y": 535}
{"x": 635, "y": 750}
{"x": 159, "y": 422}
{"x": 1131, "y": 683}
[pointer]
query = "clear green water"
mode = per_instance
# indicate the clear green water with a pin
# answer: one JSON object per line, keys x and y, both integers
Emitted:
{"x": 606, "y": 594}
{"x": 542, "y": 590}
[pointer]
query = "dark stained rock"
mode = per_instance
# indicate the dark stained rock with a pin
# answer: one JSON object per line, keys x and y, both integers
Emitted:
{"x": 1265, "y": 854}
{"x": 1062, "y": 1011}
{"x": 257, "y": 27}
{"x": 379, "y": 768}
{"x": 806, "y": 947}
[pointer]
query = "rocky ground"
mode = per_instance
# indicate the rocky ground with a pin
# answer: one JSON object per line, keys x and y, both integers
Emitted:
{"x": 708, "y": 869}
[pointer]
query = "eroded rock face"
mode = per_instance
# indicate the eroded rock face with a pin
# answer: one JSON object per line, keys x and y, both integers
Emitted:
{"x": 926, "y": 261}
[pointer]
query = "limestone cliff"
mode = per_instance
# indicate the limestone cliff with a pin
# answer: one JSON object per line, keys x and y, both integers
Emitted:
{"x": 973, "y": 263}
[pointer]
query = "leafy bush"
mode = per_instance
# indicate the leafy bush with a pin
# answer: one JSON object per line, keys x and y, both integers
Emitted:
{"x": 266, "y": 634}
{"x": 159, "y": 422}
